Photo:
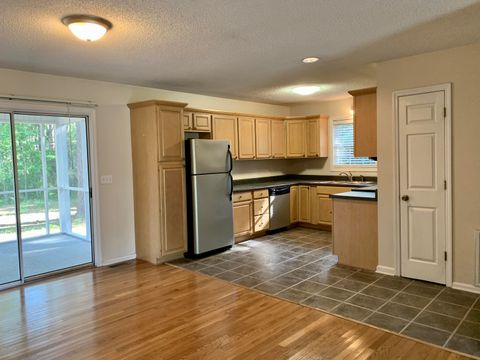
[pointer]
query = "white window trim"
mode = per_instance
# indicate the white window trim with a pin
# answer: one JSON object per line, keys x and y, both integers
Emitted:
{"x": 333, "y": 167}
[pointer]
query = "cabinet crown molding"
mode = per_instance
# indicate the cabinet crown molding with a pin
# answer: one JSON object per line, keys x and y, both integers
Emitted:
{"x": 371, "y": 90}
{"x": 156, "y": 102}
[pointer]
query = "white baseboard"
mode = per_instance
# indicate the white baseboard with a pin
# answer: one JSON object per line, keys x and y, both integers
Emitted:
{"x": 119, "y": 260}
{"x": 466, "y": 287}
{"x": 386, "y": 270}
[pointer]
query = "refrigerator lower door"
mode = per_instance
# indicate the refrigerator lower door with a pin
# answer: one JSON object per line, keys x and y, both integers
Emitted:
{"x": 212, "y": 212}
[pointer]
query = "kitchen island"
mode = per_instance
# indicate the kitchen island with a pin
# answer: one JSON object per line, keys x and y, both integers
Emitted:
{"x": 354, "y": 228}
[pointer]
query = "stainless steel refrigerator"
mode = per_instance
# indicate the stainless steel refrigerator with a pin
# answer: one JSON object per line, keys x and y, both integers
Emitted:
{"x": 209, "y": 196}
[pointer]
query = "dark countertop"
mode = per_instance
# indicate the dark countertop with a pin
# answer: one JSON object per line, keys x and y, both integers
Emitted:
{"x": 356, "y": 195}
{"x": 265, "y": 183}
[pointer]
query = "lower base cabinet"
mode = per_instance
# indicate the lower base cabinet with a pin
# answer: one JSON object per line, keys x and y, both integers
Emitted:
{"x": 250, "y": 213}
{"x": 242, "y": 218}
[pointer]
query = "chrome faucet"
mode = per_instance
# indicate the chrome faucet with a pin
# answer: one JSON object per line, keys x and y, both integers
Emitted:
{"x": 348, "y": 174}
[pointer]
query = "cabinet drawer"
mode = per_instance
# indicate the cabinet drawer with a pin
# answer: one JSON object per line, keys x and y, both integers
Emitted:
{"x": 261, "y": 222}
{"x": 258, "y": 194}
{"x": 243, "y": 196}
{"x": 260, "y": 207}
{"x": 332, "y": 189}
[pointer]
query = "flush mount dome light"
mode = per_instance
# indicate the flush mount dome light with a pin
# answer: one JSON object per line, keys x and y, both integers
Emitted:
{"x": 310, "y": 60}
{"x": 306, "y": 90}
{"x": 86, "y": 27}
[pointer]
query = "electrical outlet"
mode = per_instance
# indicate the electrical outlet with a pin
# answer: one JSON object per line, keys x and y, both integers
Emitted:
{"x": 106, "y": 179}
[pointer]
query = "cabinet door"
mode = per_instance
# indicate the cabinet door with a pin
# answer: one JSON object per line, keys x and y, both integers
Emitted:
{"x": 295, "y": 138}
{"x": 187, "y": 120}
{"x": 243, "y": 218}
{"x": 293, "y": 204}
{"x": 278, "y": 139}
{"x": 324, "y": 140}
{"x": 263, "y": 133}
{"x": 313, "y": 138}
{"x": 365, "y": 122}
{"x": 201, "y": 122}
{"x": 172, "y": 207}
{"x": 246, "y": 138}
{"x": 170, "y": 133}
{"x": 304, "y": 203}
{"x": 225, "y": 128}
{"x": 324, "y": 209}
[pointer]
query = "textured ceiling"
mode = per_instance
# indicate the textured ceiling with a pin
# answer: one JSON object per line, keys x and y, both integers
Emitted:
{"x": 234, "y": 48}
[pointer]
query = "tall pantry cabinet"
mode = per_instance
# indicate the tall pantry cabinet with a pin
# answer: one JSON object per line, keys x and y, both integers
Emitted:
{"x": 158, "y": 179}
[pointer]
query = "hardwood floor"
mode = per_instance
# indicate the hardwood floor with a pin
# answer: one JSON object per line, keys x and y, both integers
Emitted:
{"x": 141, "y": 311}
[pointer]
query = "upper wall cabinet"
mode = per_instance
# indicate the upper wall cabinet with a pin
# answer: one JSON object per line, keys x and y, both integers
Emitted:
{"x": 317, "y": 137}
{"x": 225, "y": 128}
{"x": 246, "y": 138}
{"x": 170, "y": 133}
{"x": 197, "y": 121}
{"x": 263, "y": 134}
{"x": 365, "y": 122}
{"x": 296, "y": 138}
{"x": 278, "y": 139}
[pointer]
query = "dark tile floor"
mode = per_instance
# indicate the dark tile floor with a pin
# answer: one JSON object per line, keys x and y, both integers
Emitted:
{"x": 298, "y": 265}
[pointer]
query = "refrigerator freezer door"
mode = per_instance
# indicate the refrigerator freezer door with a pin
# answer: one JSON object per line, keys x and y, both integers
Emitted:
{"x": 209, "y": 156}
{"x": 212, "y": 212}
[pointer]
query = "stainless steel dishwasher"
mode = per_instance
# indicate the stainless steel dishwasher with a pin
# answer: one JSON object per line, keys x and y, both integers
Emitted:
{"x": 279, "y": 207}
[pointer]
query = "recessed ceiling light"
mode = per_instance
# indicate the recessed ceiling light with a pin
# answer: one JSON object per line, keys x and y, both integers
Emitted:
{"x": 310, "y": 60}
{"x": 306, "y": 90}
{"x": 86, "y": 27}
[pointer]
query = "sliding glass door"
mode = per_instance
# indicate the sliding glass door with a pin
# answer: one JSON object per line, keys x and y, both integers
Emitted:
{"x": 54, "y": 232}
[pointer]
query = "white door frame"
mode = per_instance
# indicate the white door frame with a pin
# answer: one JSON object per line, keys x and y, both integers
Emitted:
{"x": 52, "y": 107}
{"x": 447, "y": 88}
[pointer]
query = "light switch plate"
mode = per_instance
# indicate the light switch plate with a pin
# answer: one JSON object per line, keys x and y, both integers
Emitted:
{"x": 106, "y": 179}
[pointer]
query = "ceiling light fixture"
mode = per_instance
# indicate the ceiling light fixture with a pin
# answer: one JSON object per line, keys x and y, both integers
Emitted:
{"x": 86, "y": 27}
{"x": 310, "y": 60}
{"x": 306, "y": 90}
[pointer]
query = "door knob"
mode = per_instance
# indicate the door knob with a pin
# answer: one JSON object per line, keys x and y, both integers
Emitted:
{"x": 405, "y": 197}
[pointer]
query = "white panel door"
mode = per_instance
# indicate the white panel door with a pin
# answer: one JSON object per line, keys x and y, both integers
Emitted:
{"x": 422, "y": 175}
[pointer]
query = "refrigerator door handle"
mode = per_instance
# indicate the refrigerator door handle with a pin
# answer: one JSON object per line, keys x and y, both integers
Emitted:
{"x": 231, "y": 186}
{"x": 230, "y": 158}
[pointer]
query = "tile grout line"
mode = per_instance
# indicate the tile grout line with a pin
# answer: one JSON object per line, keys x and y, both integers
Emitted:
{"x": 461, "y": 322}
{"x": 421, "y": 311}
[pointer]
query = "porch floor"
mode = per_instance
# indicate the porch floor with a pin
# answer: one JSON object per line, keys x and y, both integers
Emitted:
{"x": 42, "y": 255}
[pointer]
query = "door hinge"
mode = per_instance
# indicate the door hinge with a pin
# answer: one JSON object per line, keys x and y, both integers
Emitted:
{"x": 444, "y": 112}
{"x": 445, "y": 255}
{"x": 90, "y": 193}
{"x": 445, "y": 184}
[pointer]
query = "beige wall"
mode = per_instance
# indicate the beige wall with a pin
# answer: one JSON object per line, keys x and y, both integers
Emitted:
{"x": 113, "y": 138}
{"x": 460, "y": 66}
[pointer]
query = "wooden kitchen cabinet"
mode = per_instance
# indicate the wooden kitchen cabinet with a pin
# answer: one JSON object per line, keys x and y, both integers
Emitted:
{"x": 201, "y": 122}
{"x": 263, "y": 131}
{"x": 172, "y": 208}
{"x": 365, "y": 122}
{"x": 322, "y": 203}
{"x": 187, "y": 120}
{"x": 225, "y": 128}
{"x": 242, "y": 218}
{"x": 324, "y": 209}
{"x": 355, "y": 234}
{"x": 304, "y": 214}
{"x": 261, "y": 212}
{"x": 158, "y": 179}
{"x": 296, "y": 138}
{"x": 246, "y": 138}
{"x": 293, "y": 204}
{"x": 278, "y": 139}
{"x": 317, "y": 137}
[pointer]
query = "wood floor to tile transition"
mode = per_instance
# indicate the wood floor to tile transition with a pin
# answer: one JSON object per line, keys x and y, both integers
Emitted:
{"x": 141, "y": 311}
